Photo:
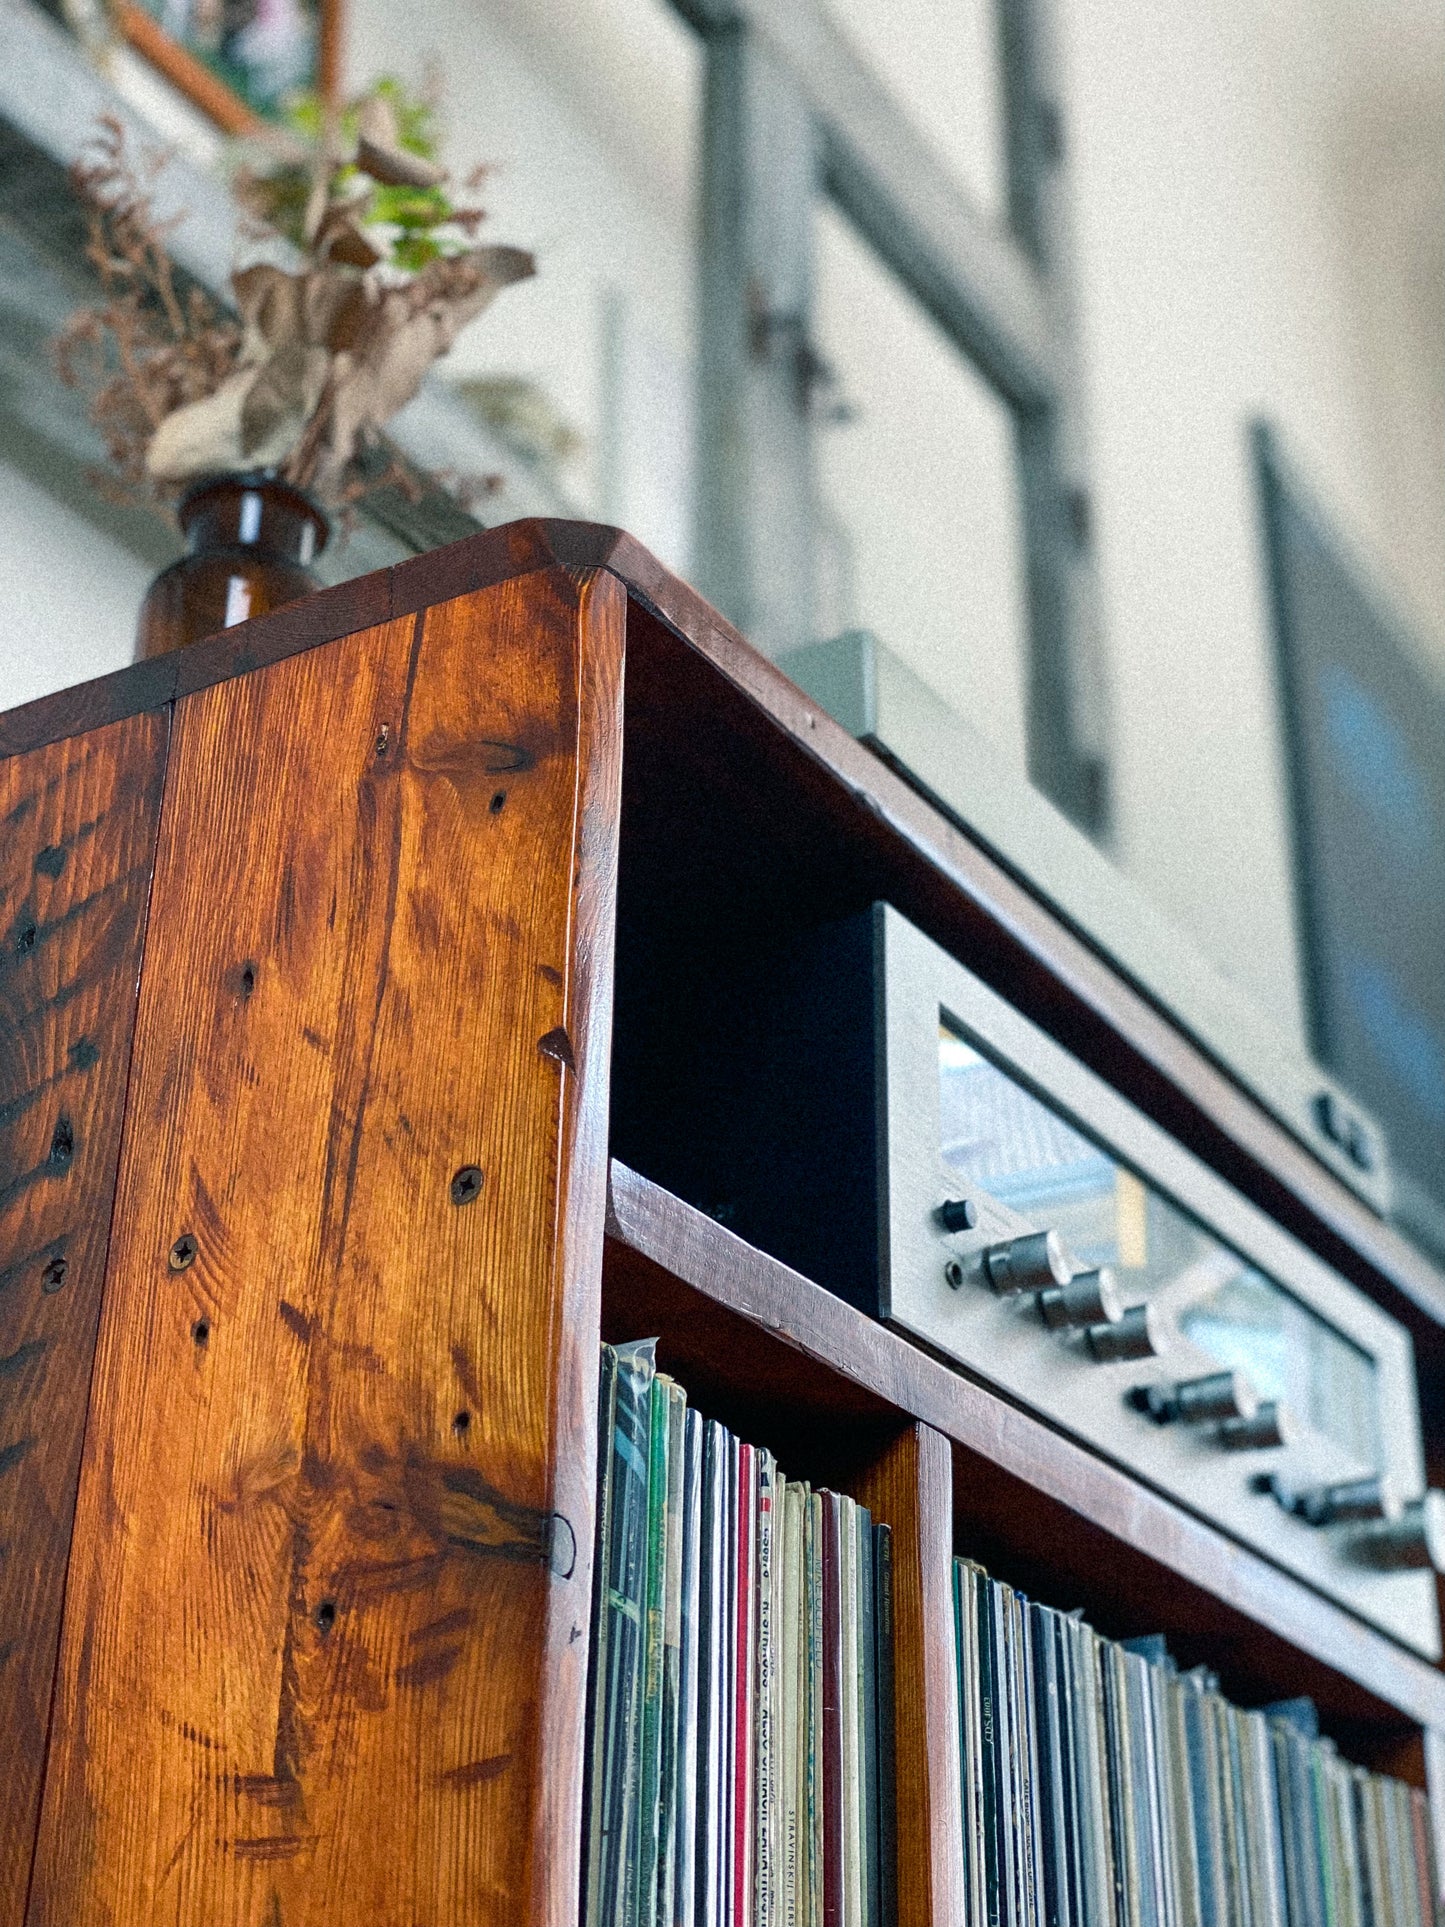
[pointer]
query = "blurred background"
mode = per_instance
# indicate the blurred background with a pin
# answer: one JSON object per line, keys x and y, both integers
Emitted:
{"x": 946, "y": 320}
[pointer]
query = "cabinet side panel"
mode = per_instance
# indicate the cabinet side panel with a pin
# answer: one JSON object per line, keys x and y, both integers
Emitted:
{"x": 317, "y": 1559}
{"x": 77, "y": 839}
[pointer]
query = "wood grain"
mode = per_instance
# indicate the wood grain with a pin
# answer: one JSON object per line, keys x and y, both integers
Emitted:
{"x": 77, "y": 839}
{"x": 324, "y": 1646}
{"x": 734, "y": 726}
{"x": 766, "y": 1347}
{"x": 910, "y": 1487}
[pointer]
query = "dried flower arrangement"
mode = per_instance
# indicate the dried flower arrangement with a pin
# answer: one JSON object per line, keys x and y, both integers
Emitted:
{"x": 321, "y": 353}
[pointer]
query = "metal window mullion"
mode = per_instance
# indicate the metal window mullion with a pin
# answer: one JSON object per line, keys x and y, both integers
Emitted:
{"x": 757, "y": 489}
{"x": 1068, "y": 700}
{"x": 789, "y": 102}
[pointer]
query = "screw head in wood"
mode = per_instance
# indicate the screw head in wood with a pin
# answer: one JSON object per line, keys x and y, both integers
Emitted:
{"x": 467, "y": 1184}
{"x": 183, "y": 1252}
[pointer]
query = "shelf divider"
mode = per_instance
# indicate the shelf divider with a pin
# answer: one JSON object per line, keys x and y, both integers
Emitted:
{"x": 910, "y": 1488}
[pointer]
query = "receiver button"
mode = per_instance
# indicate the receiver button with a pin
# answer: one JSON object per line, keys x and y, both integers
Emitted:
{"x": 1414, "y": 1541}
{"x": 1089, "y": 1298}
{"x": 957, "y": 1214}
{"x": 1327, "y": 1505}
{"x": 1031, "y": 1263}
{"x": 1136, "y": 1335}
{"x": 1198, "y": 1401}
{"x": 1273, "y": 1424}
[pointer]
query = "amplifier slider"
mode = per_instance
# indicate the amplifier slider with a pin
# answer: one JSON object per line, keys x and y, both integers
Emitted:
{"x": 1033, "y": 1262}
{"x": 1273, "y": 1424}
{"x": 1136, "y": 1335}
{"x": 1198, "y": 1401}
{"x": 1089, "y": 1298}
{"x": 1413, "y": 1542}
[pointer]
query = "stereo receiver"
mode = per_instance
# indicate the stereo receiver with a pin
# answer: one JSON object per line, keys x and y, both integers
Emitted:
{"x": 887, "y": 1124}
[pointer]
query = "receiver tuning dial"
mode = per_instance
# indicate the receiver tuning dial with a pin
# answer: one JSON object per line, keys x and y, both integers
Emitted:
{"x": 1414, "y": 1541}
{"x": 1033, "y": 1262}
{"x": 1089, "y": 1298}
{"x": 1198, "y": 1401}
{"x": 1134, "y": 1334}
{"x": 1273, "y": 1424}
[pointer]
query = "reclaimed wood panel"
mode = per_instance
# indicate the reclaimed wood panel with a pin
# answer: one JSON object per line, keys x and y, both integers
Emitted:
{"x": 753, "y": 746}
{"x": 77, "y": 838}
{"x": 324, "y": 1650}
{"x": 910, "y": 1487}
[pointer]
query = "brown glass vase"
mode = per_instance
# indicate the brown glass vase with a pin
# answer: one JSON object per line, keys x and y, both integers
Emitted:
{"x": 250, "y": 542}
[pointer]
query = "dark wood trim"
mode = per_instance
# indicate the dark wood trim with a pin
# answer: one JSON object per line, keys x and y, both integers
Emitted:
{"x": 478, "y": 562}
{"x": 910, "y": 1488}
{"x": 1024, "y": 1495}
{"x": 190, "y": 77}
{"x": 943, "y": 879}
{"x": 80, "y": 821}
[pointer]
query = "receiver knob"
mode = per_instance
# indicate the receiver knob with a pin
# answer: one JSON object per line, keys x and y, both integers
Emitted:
{"x": 1033, "y": 1262}
{"x": 1273, "y": 1424}
{"x": 1414, "y": 1541}
{"x": 1327, "y": 1505}
{"x": 1089, "y": 1298}
{"x": 957, "y": 1214}
{"x": 1198, "y": 1401}
{"x": 1135, "y": 1335}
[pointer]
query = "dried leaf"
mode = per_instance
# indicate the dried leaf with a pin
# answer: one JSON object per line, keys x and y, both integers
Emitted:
{"x": 202, "y": 437}
{"x": 341, "y": 237}
{"x": 395, "y": 167}
{"x": 411, "y": 326}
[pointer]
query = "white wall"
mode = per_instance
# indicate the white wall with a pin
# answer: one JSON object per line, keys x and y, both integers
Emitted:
{"x": 1260, "y": 221}
{"x": 70, "y": 594}
{"x": 1221, "y": 280}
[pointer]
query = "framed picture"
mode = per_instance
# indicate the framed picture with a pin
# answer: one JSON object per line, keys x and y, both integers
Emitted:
{"x": 1364, "y": 720}
{"x": 237, "y": 60}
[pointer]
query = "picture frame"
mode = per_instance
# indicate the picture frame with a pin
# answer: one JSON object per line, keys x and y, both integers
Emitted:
{"x": 232, "y": 61}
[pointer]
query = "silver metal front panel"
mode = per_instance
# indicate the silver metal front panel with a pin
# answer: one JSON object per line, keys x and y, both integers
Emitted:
{"x": 1006, "y": 1340}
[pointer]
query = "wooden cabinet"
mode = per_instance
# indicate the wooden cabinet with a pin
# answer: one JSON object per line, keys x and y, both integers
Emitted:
{"x": 312, "y": 936}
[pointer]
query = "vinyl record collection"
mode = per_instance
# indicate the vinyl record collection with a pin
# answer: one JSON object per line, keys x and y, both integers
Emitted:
{"x": 1104, "y": 1788}
{"x": 741, "y": 1744}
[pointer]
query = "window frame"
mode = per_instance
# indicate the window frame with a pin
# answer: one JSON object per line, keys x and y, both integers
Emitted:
{"x": 791, "y": 112}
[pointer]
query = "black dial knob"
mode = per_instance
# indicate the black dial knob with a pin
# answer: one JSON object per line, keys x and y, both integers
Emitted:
{"x": 1135, "y": 1335}
{"x": 1198, "y": 1401}
{"x": 1413, "y": 1542}
{"x": 1089, "y": 1298}
{"x": 1272, "y": 1425}
{"x": 957, "y": 1214}
{"x": 1033, "y": 1262}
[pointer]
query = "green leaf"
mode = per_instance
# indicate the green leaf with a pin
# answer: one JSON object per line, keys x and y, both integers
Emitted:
{"x": 410, "y": 207}
{"x": 413, "y": 252}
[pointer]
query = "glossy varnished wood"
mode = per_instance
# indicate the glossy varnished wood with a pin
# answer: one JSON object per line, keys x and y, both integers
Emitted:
{"x": 910, "y": 1487}
{"x": 757, "y": 1340}
{"x": 77, "y": 836}
{"x": 719, "y": 709}
{"x": 324, "y": 1646}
